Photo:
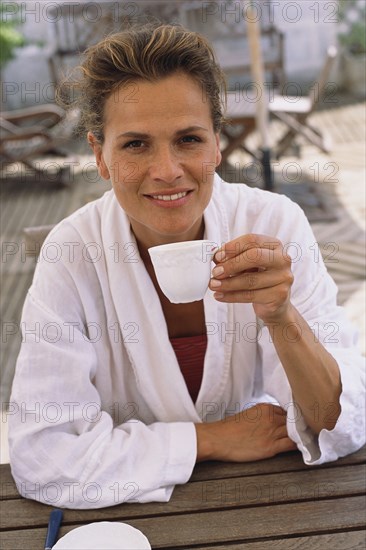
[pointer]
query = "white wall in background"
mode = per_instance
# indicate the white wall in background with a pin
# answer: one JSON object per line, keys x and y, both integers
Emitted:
{"x": 310, "y": 26}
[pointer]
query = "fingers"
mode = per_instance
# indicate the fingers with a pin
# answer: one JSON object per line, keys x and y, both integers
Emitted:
{"x": 250, "y": 281}
{"x": 245, "y": 243}
{"x": 277, "y": 409}
{"x": 281, "y": 431}
{"x": 284, "y": 445}
{"x": 281, "y": 441}
{"x": 251, "y": 248}
{"x": 259, "y": 257}
{"x": 272, "y": 298}
{"x": 253, "y": 269}
{"x": 252, "y": 266}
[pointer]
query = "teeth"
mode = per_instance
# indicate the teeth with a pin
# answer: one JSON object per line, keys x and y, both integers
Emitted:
{"x": 170, "y": 197}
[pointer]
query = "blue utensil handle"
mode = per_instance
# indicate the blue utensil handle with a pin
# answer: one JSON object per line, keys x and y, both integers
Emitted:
{"x": 53, "y": 528}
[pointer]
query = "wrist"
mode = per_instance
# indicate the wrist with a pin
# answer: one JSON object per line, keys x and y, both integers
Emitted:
{"x": 283, "y": 318}
{"x": 204, "y": 442}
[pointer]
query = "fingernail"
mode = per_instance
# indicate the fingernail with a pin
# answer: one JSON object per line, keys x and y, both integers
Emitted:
{"x": 220, "y": 256}
{"x": 219, "y": 270}
{"x": 218, "y": 295}
{"x": 214, "y": 283}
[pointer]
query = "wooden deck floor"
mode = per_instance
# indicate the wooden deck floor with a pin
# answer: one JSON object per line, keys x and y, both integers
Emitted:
{"x": 23, "y": 205}
{"x": 340, "y": 178}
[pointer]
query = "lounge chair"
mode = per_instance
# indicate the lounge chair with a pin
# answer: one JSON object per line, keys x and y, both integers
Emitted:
{"x": 29, "y": 133}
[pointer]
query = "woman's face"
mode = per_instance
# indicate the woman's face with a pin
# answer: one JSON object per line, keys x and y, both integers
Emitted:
{"x": 160, "y": 152}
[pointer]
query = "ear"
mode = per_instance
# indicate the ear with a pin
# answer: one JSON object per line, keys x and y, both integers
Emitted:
{"x": 99, "y": 158}
{"x": 218, "y": 152}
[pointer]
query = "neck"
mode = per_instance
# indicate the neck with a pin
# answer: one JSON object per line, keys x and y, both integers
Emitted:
{"x": 144, "y": 245}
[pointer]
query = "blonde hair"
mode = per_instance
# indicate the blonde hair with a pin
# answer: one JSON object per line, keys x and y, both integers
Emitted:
{"x": 149, "y": 52}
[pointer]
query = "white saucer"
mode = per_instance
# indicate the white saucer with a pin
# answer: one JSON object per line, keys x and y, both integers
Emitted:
{"x": 103, "y": 535}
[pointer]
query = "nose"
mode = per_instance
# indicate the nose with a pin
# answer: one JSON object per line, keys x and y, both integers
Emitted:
{"x": 165, "y": 165}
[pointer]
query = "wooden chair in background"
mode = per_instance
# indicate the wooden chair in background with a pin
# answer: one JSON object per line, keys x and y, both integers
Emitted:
{"x": 295, "y": 111}
{"x": 76, "y": 26}
{"x": 29, "y": 133}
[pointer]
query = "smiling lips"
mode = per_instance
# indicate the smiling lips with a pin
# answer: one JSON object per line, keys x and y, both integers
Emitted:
{"x": 166, "y": 198}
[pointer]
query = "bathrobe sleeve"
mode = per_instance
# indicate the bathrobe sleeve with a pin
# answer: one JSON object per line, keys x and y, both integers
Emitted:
{"x": 65, "y": 450}
{"x": 314, "y": 295}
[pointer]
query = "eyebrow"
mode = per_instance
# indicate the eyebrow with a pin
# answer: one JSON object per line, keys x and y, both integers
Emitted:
{"x": 191, "y": 129}
{"x": 142, "y": 136}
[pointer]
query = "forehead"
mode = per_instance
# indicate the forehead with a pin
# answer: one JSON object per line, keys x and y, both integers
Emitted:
{"x": 171, "y": 99}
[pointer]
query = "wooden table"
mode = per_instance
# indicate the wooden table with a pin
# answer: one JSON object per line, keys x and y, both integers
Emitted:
{"x": 273, "y": 504}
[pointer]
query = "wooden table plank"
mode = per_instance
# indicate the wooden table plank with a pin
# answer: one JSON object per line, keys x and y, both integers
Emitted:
{"x": 221, "y": 470}
{"x": 210, "y": 495}
{"x": 287, "y": 462}
{"x": 352, "y": 540}
{"x": 239, "y": 525}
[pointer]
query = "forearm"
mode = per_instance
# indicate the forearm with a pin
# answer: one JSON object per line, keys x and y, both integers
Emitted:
{"x": 311, "y": 370}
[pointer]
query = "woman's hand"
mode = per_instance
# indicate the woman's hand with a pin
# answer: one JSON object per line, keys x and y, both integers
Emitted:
{"x": 253, "y": 434}
{"x": 254, "y": 269}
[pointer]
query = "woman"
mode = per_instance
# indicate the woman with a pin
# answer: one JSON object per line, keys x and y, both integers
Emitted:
{"x": 106, "y": 405}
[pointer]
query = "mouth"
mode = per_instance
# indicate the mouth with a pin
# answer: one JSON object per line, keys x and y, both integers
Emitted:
{"x": 170, "y": 199}
{"x": 174, "y": 197}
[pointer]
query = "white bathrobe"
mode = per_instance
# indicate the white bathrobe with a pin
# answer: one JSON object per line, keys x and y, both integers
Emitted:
{"x": 100, "y": 412}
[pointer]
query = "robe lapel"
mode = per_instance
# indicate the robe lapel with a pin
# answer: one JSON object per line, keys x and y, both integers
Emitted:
{"x": 218, "y": 317}
{"x": 153, "y": 360}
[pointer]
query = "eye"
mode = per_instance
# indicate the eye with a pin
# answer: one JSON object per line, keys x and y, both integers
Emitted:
{"x": 135, "y": 144}
{"x": 191, "y": 139}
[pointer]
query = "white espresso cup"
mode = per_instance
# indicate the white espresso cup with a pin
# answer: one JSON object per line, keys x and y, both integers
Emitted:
{"x": 183, "y": 270}
{"x": 103, "y": 535}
